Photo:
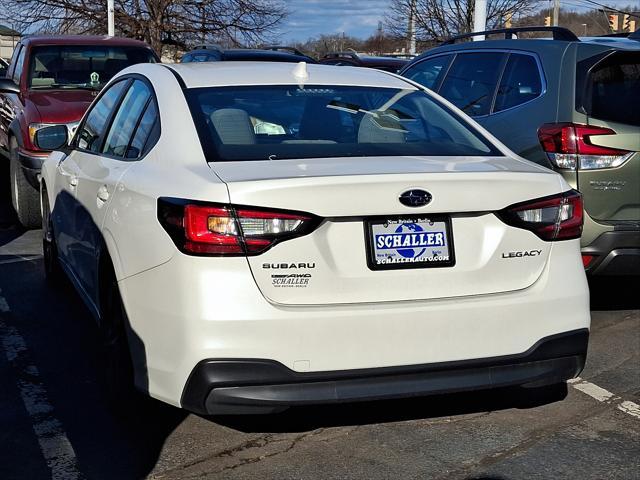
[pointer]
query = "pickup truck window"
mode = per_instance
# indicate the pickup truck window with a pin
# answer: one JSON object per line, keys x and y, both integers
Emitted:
{"x": 17, "y": 70}
{"x": 81, "y": 66}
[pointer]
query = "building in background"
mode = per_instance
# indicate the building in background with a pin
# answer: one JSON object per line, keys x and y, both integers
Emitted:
{"x": 8, "y": 40}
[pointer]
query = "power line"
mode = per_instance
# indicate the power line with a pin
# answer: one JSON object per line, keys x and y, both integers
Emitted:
{"x": 633, "y": 14}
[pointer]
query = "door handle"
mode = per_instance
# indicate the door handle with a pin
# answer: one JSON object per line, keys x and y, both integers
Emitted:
{"x": 73, "y": 180}
{"x": 103, "y": 193}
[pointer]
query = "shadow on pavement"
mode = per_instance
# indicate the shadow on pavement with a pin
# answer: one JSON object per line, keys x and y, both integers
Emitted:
{"x": 365, "y": 413}
{"x": 615, "y": 293}
{"x": 63, "y": 342}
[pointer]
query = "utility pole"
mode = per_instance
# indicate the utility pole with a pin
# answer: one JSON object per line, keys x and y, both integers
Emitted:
{"x": 412, "y": 28}
{"x": 556, "y": 12}
{"x": 110, "y": 21}
{"x": 480, "y": 18}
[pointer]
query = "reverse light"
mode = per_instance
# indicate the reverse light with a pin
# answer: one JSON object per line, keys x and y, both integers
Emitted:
{"x": 569, "y": 146}
{"x": 558, "y": 217}
{"x": 213, "y": 229}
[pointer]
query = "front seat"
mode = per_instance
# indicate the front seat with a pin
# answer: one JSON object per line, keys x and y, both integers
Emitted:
{"x": 233, "y": 126}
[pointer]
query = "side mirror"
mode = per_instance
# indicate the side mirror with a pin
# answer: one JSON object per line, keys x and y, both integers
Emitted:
{"x": 54, "y": 137}
{"x": 7, "y": 86}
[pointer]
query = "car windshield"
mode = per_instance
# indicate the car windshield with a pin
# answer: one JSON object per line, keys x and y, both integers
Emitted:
{"x": 81, "y": 66}
{"x": 283, "y": 122}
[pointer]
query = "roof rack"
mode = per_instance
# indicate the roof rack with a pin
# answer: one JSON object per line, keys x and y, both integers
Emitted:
{"x": 283, "y": 48}
{"x": 559, "y": 33}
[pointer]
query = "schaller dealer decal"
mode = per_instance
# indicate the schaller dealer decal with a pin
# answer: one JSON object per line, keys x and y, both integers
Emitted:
{"x": 289, "y": 279}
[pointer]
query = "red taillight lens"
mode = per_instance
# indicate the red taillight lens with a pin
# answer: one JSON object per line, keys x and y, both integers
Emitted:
{"x": 558, "y": 217}
{"x": 203, "y": 229}
{"x": 210, "y": 230}
{"x": 587, "y": 259}
{"x": 569, "y": 146}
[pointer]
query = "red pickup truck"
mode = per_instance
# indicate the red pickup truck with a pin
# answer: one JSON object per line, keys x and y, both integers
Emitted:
{"x": 52, "y": 80}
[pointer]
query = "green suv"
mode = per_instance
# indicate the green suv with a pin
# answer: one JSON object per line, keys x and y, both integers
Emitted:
{"x": 569, "y": 104}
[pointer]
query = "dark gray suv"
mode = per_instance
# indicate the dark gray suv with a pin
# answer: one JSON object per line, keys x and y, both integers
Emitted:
{"x": 568, "y": 104}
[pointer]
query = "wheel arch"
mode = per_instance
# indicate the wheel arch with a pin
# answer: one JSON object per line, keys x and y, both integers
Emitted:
{"x": 109, "y": 268}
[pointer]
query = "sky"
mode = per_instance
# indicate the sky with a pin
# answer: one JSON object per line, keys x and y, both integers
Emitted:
{"x": 310, "y": 18}
{"x": 359, "y": 18}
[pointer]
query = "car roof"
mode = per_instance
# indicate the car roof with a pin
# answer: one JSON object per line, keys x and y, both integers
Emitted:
{"x": 220, "y": 74}
{"x": 528, "y": 44}
{"x": 618, "y": 42}
{"x": 253, "y": 54}
{"x": 532, "y": 45}
{"x": 82, "y": 40}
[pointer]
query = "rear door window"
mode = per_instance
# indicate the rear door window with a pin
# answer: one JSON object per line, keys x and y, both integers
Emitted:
{"x": 91, "y": 133}
{"x": 613, "y": 89}
{"x": 520, "y": 82}
{"x": 147, "y": 132}
{"x": 471, "y": 81}
{"x": 126, "y": 120}
{"x": 429, "y": 72}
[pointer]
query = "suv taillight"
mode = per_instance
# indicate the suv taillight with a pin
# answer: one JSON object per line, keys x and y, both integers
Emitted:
{"x": 569, "y": 146}
{"x": 558, "y": 217}
{"x": 226, "y": 230}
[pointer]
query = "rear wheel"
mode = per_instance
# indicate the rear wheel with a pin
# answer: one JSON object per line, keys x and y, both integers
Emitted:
{"x": 117, "y": 367}
{"x": 24, "y": 197}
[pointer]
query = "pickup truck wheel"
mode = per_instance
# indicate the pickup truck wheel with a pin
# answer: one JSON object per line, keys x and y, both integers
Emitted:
{"x": 24, "y": 197}
{"x": 52, "y": 268}
{"x": 117, "y": 367}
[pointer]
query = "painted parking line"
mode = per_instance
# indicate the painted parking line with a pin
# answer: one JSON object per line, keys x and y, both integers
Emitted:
{"x": 605, "y": 396}
{"x": 54, "y": 444}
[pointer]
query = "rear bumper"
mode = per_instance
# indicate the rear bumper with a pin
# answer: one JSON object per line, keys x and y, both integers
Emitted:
{"x": 615, "y": 253}
{"x": 265, "y": 386}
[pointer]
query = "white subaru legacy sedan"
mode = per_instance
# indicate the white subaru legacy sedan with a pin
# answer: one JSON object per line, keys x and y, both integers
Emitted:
{"x": 255, "y": 236}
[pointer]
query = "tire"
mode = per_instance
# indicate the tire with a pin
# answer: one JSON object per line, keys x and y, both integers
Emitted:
{"x": 24, "y": 197}
{"x": 117, "y": 368}
{"x": 52, "y": 269}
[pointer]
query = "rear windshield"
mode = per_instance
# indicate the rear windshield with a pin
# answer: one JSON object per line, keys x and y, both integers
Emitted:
{"x": 81, "y": 66}
{"x": 281, "y": 122}
{"x": 613, "y": 89}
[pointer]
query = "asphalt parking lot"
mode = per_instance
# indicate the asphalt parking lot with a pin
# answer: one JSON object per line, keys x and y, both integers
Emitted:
{"x": 56, "y": 425}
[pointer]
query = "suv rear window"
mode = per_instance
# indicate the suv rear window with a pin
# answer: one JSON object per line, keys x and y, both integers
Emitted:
{"x": 613, "y": 87}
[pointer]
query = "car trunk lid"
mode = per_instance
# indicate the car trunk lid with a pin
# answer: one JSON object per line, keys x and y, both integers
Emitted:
{"x": 333, "y": 264}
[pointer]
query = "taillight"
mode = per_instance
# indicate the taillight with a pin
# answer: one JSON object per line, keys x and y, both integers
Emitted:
{"x": 558, "y": 217}
{"x": 214, "y": 229}
{"x": 569, "y": 146}
{"x": 587, "y": 259}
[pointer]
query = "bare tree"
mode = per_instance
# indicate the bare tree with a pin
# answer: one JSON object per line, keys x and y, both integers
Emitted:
{"x": 158, "y": 22}
{"x": 439, "y": 19}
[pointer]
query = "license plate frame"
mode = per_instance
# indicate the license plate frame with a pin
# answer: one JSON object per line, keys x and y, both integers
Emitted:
{"x": 390, "y": 220}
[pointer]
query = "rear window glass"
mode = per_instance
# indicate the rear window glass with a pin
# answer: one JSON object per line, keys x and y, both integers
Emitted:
{"x": 280, "y": 122}
{"x": 613, "y": 89}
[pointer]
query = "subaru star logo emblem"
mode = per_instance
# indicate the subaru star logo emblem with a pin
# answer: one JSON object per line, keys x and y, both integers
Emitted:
{"x": 415, "y": 198}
